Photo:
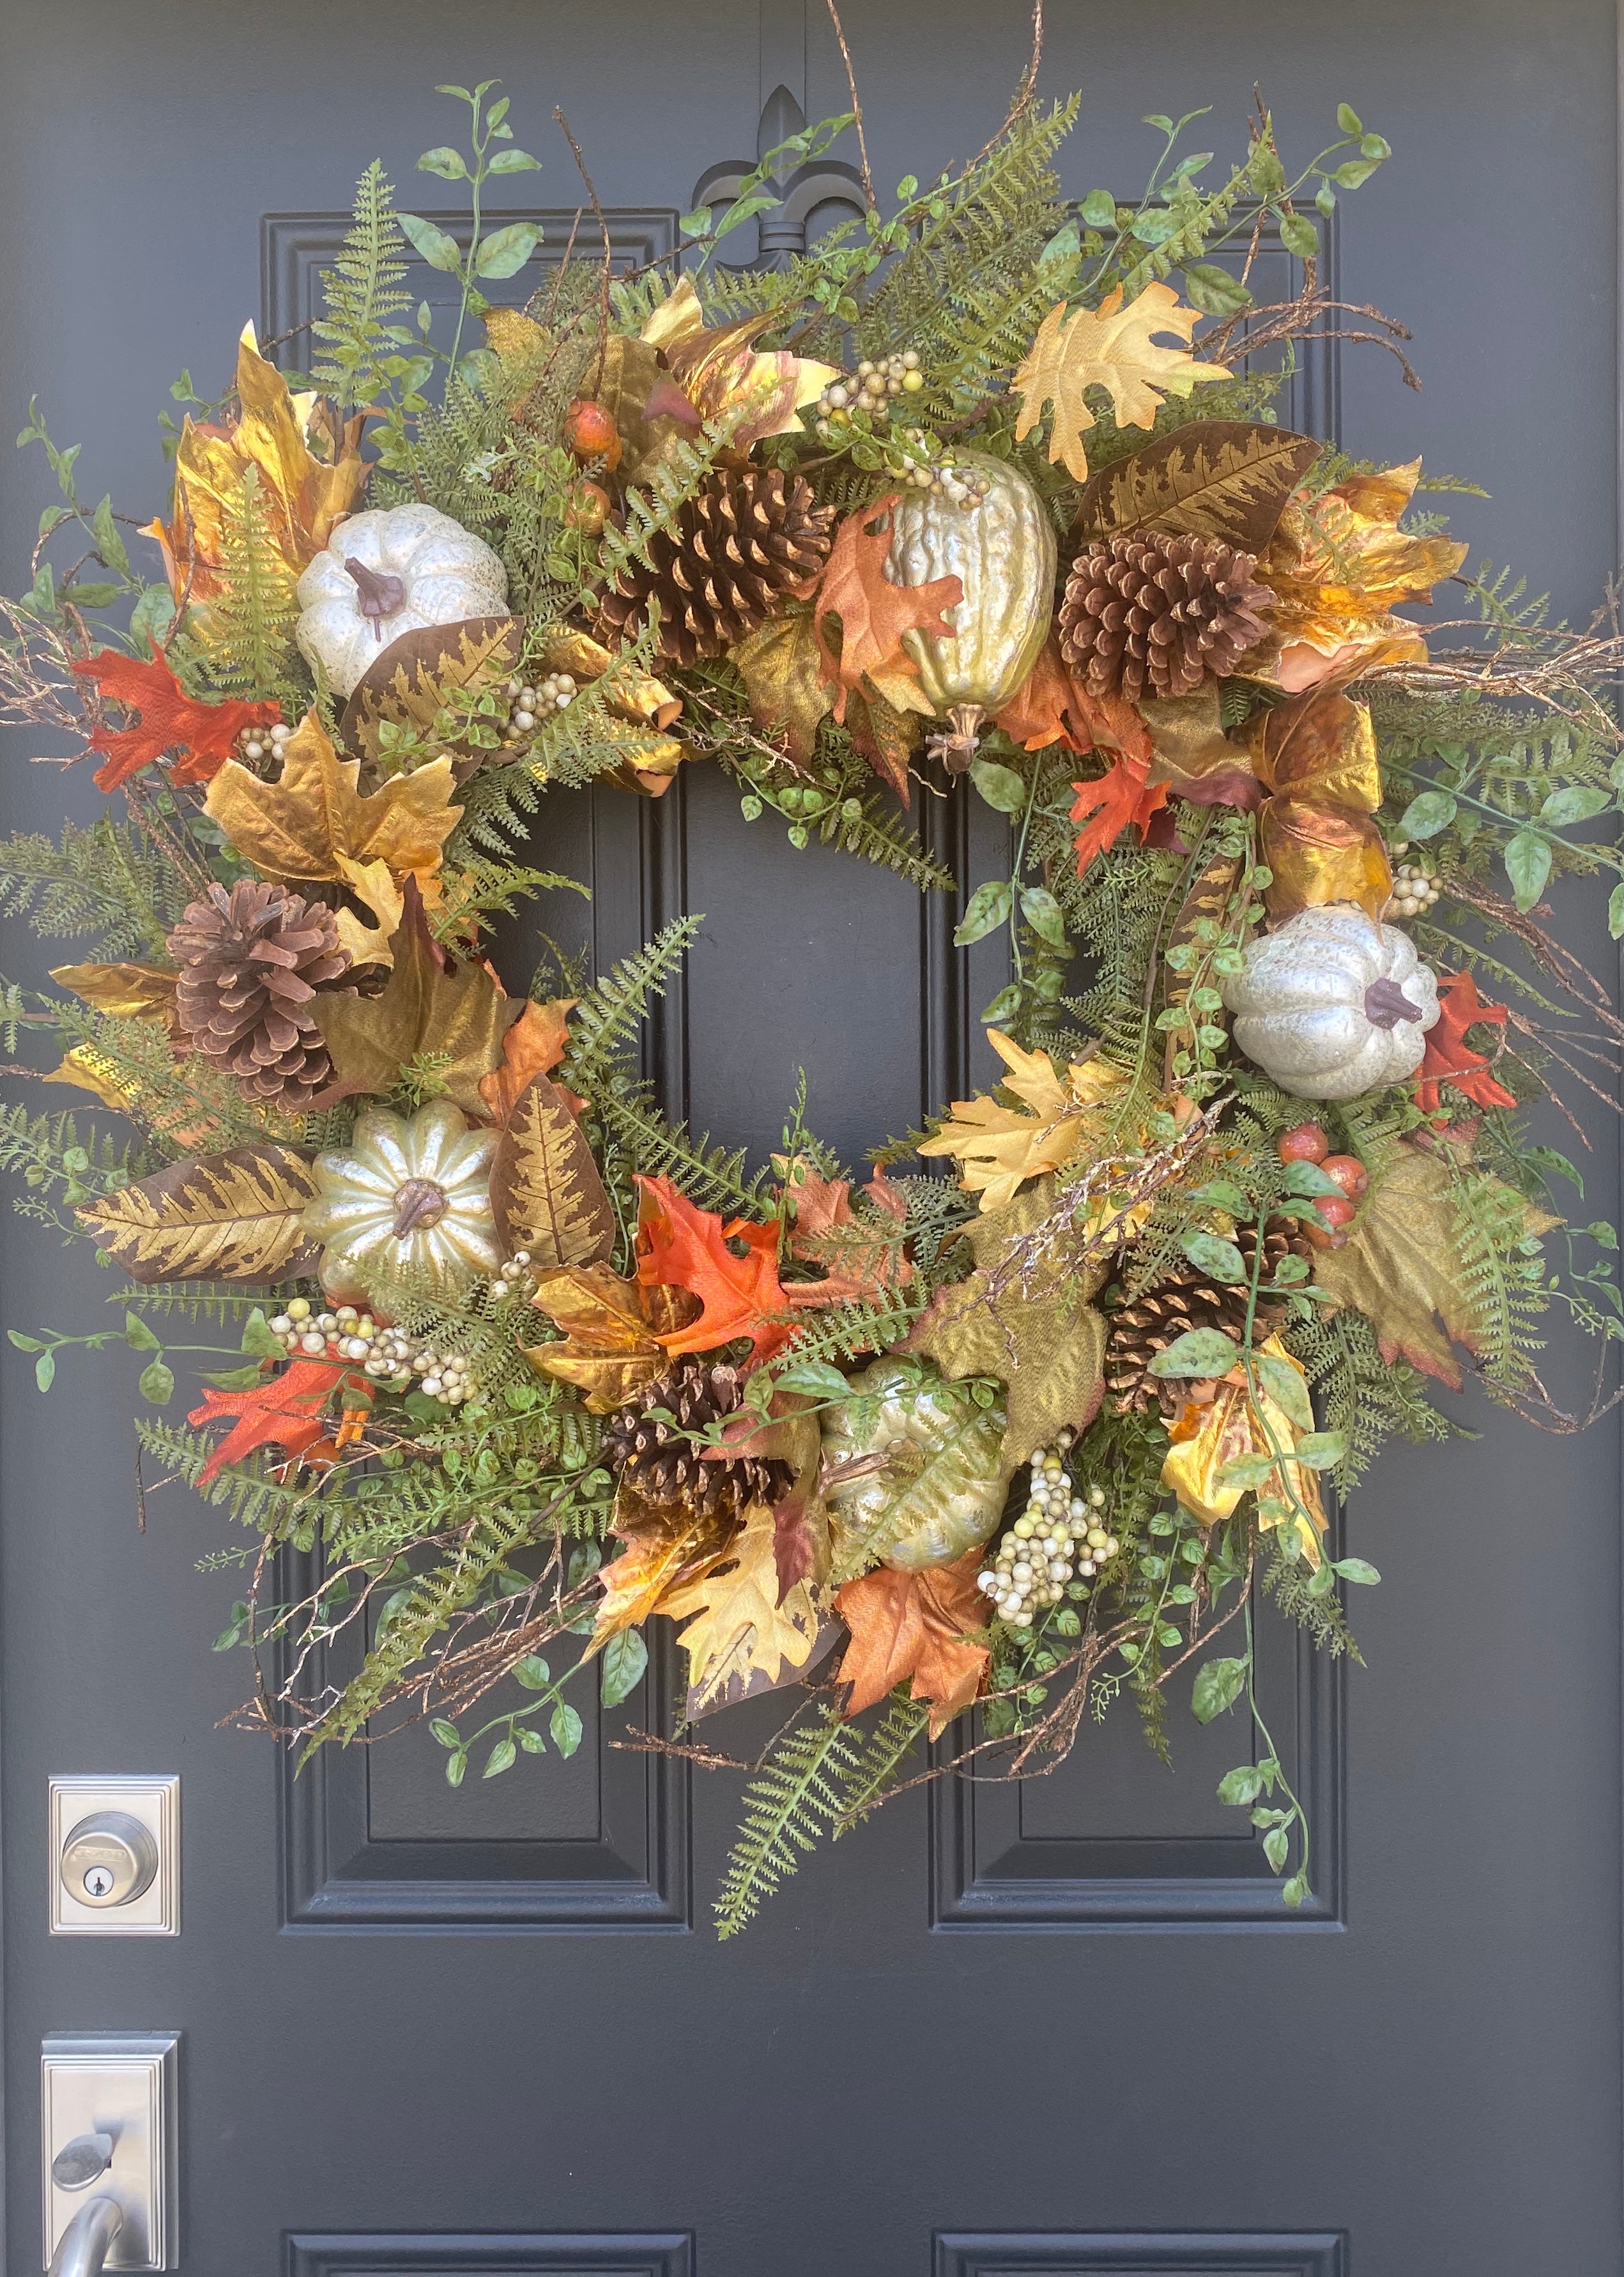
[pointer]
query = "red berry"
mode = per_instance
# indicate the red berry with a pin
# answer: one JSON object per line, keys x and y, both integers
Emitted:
{"x": 1336, "y": 1209}
{"x": 1306, "y": 1143}
{"x": 591, "y": 433}
{"x": 1349, "y": 1173}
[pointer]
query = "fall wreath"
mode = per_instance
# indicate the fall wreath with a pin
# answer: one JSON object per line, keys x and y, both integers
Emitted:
{"x": 958, "y": 502}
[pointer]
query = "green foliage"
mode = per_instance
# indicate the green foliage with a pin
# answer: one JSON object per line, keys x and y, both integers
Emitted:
{"x": 359, "y": 335}
{"x": 108, "y": 884}
{"x": 1366, "y": 1398}
{"x": 246, "y": 631}
{"x": 787, "y": 1809}
{"x": 885, "y": 1757}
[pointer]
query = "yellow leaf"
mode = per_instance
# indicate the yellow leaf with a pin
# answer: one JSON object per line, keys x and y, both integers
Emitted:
{"x": 997, "y": 1147}
{"x": 313, "y": 817}
{"x": 612, "y": 1331}
{"x": 656, "y": 1559}
{"x": 1226, "y": 1429}
{"x": 739, "y": 1631}
{"x": 131, "y": 992}
{"x": 678, "y": 317}
{"x": 235, "y": 1216}
{"x": 374, "y": 883}
{"x": 1113, "y": 347}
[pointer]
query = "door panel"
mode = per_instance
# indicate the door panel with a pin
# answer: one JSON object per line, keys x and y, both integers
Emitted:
{"x": 388, "y": 2066}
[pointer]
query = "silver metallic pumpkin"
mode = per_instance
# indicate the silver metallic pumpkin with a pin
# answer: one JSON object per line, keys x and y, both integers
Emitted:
{"x": 939, "y": 1486}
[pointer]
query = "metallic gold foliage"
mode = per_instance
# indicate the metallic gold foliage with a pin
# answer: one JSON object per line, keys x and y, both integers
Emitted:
{"x": 544, "y": 1187}
{"x": 1235, "y": 1423}
{"x": 1227, "y": 479}
{"x": 997, "y": 1147}
{"x": 1112, "y": 347}
{"x": 612, "y": 1331}
{"x": 234, "y": 1216}
{"x": 313, "y": 817}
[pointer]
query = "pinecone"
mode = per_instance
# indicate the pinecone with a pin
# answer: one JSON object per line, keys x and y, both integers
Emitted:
{"x": 1156, "y": 616}
{"x": 666, "y": 1468}
{"x": 747, "y": 540}
{"x": 251, "y": 959}
{"x": 1190, "y": 1299}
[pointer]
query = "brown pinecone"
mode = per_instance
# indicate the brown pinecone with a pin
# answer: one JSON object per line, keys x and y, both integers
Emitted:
{"x": 1187, "y": 1299}
{"x": 665, "y": 1469}
{"x": 739, "y": 547}
{"x": 1151, "y": 615}
{"x": 251, "y": 959}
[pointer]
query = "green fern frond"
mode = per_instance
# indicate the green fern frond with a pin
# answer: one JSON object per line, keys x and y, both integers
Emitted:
{"x": 363, "y": 296}
{"x": 106, "y": 882}
{"x": 788, "y": 1810}
{"x": 883, "y": 1760}
{"x": 604, "y": 1026}
{"x": 247, "y": 631}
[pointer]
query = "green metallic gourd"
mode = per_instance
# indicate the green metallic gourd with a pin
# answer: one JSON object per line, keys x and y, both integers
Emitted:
{"x": 1002, "y": 551}
{"x": 941, "y": 1487}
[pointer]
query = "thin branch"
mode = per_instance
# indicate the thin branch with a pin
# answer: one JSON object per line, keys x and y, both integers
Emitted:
{"x": 857, "y": 107}
{"x": 608, "y": 249}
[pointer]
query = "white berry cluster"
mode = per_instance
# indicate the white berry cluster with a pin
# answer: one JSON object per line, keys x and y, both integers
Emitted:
{"x": 958, "y": 486}
{"x": 388, "y": 1354}
{"x": 254, "y": 743}
{"x": 532, "y": 707}
{"x": 1415, "y": 888}
{"x": 1059, "y": 1535}
{"x": 872, "y": 387}
{"x": 515, "y": 1278}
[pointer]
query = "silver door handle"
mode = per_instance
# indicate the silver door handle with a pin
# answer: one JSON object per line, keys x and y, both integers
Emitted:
{"x": 84, "y": 2245}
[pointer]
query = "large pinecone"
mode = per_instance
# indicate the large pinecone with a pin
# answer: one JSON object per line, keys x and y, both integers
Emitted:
{"x": 665, "y": 1469}
{"x": 1188, "y": 1299}
{"x": 747, "y": 540}
{"x": 1151, "y": 615}
{"x": 251, "y": 961}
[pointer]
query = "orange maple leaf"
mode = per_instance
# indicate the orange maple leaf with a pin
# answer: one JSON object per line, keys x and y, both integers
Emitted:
{"x": 534, "y": 1045}
{"x": 1121, "y": 797}
{"x": 874, "y": 614}
{"x": 687, "y": 1247}
{"x": 827, "y": 1232}
{"x": 1449, "y": 1059}
{"x": 915, "y": 1624}
{"x": 201, "y": 735}
{"x": 287, "y": 1412}
{"x": 1051, "y": 706}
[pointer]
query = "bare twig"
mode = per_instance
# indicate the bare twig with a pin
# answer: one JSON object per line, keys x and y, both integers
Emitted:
{"x": 857, "y": 107}
{"x": 608, "y": 249}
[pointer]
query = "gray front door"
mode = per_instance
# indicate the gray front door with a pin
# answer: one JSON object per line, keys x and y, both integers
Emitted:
{"x": 1067, "y": 2029}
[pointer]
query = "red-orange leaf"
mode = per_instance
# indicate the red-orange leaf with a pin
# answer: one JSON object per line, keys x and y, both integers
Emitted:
{"x": 828, "y": 1233}
{"x": 915, "y": 1624}
{"x": 688, "y": 1248}
{"x": 874, "y": 614}
{"x": 1051, "y": 706}
{"x": 287, "y": 1412}
{"x": 1449, "y": 1058}
{"x": 1117, "y": 798}
{"x": 201, "y": 735}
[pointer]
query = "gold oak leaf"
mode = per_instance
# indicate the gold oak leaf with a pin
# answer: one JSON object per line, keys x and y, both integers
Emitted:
{"x": 234, "y": 1216}
{"x": 454, "y": 1014}
{"x": 1113, "y": 347}
{"x": 997, "y": 1147}
{"x": 781, "y": 664}
{"x": 313, "y": 817}
{"x": 1227, "y": 479}
{"x": 130, "y": 991}
{"x": 657, "y": 1558}
{"x": 740, "y": 1637}
{"x": 612, "y": 1331}
{"x": 544, "y": 1187}
{"x": 1402, "y": 1267}
{"x": 1042, "y": 1337}
{"x": 409, "y": 683}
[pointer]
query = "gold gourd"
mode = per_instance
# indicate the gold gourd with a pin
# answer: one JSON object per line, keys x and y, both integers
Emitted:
{"x": 408, "y": 1194}
{"x": 941, "y": 1487}
{"x": 1002, "y": 549}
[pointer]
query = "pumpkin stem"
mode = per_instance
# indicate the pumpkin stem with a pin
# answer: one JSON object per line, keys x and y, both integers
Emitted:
{"x": 381, "y": 594}
{"x": 418, "y": 1202}
{"x": 1386, "y": 1004}
{"x": 955, "y": 751}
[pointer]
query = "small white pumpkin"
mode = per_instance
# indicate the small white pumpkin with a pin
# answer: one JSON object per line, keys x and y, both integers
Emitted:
{"x": 391, "y": 571}
{"x": 409, "y": 1193}
{"x": 1332, "y": 1004}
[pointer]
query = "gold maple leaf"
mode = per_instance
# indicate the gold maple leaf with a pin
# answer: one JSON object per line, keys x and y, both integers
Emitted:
{"x": 313, "y": 822}
{"x": 741, "y": 1637}
{"x": 1113, "y": 347}
{"x": 997, "y": 1147}
{"x": 1238, "y": 1422}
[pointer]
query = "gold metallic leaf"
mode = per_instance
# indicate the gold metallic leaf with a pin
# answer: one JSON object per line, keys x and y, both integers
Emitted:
{"x": 722, "y": 370}
{"x": 234, "y": 1216}
{"x": 658, "y": 1558}
{"x": 611, "y": 1329}
{"x": 638, "y": 696}
{"x": 1193, "y": 753}
{"x": 998, "y": 1148}
{"x": 1234, "y": 1424}
{"x": 1043, "y": 1340}
{"x": 131, "y": 992}
{"x": 409, "y": 683}
{"x": 782, "y": 667}
{"x": 301, "y": 826}
{"x": 1111, "y": 348}
{"x": 1227, "y": 479}
{"x": 740, "y": 1639}
{"x": 374, "y": 883}
{"x": 678, "y": 317}
{"x": 454, "y": 1014}
{"x": 1317, "y": 756}
{"x": 544, "y": 1187}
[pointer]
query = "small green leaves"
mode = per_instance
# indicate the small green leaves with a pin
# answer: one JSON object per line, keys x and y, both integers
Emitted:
{"x": 1285, "y": 1387}
{"x": 1241, "y": 1785}
{"x": 506, "y": 250}
{"x": 1573, "y": 803}
{"x": 1099, "y": 209}
{"x": 502, "y": 1757}
{"x": 1348, "y": 119}
{"x": 1307, "y": 1178}
{"x": 1298, "y": 235}
{"x": 1426, "y": 815}
{"x": 45, "y": 1370}
{"x": 1213, "y": 290}
{"x": 625, "y": 1657}
{"x": 531, "y": 1672}
{"x": 1218, "y": 1685}
{"x": 989, "y": 907}
{"x": 1320, "y": 1450}
{"x": 813, "y": 1379}
{"x": 156, "y": 1382}
{"x": 1527, "y": 866}
{"x": 1000, "y": 787}
{"x": 1198, "y": 1352}
{"x": 445, "y": 162}
{"x": 1356, "y": 1569}
{"x": 514, "y": 162}
{"x": 432, "y": 244}
{"x": 1042, "y": 912}
{"x": 1208, "y": 1254}
{"x": 565, "y": 1728}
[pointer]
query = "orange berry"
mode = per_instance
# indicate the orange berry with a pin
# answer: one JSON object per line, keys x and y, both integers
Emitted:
{"x": 589, "y": 509}
{"x": 591, "y": 433}
{"x": 1349, "y": 1173}
{"x": 1336, "y": 1209}
{"x": 1306, "y": 1143}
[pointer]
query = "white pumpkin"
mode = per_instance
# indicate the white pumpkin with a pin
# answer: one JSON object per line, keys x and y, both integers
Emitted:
{"x": 1332, "y": 1004}
{"x": 388, "y": 572}
{"x": 407, "y": 1193}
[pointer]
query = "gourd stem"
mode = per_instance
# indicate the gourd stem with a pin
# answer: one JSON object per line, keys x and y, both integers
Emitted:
{"x": 419, "y": 1202}
{"x": 381, "y": 594}
{"x": 955, "y": 751}
{"x": 1386, "y": 1004}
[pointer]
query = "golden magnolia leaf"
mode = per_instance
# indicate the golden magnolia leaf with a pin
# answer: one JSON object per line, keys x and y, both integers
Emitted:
{"x": 235, "y": 1216}
{"x": 740, "y": 1638}
{"x": 1227, "y": 479}
{"x": 1317, "y": 755}
{"x": 131, "y": 992}
{"x": 1402, "y": 1266}
{"x": 454, "y": 1016}
{"x": 678, "y": 317}
{"x": 409, "y": 683}
{"x": 997, "y": 1147}
{"x": 638, "y": 696}
{"x": 612, "y": 1331}
{"x": 301, "y": 824}
{"x": 544, "y": 1187}
{"x": 722, "y": 370}
{"x": 631, "y": 372}
{"x": 1236, "y": 1423}
{"x": 1044, "y": 1340}
{"x": 1193, "y": 755}
{"x": 1113, "y": 347}
{"x": 781, "y": 664}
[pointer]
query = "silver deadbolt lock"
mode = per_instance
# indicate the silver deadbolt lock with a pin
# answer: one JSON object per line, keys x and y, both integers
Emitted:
{"x": 109, "y": 1859}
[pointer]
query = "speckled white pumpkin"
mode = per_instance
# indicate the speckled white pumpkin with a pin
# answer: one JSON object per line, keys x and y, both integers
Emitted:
{"x": 389, "y": 572}
{"x": 1332, "y": 1004}
{"x": 1002, "y": 552}
{"x": 408, "y": 1193}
